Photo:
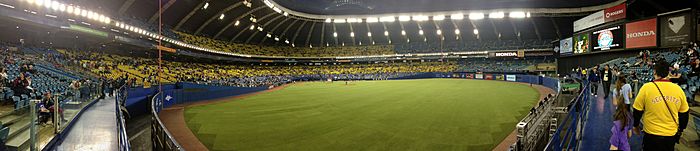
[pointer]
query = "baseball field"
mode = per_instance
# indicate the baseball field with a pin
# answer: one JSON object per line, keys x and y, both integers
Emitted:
{"x": 427, "y": 114}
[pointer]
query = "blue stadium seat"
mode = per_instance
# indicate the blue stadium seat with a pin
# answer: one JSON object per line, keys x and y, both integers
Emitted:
{"x": 3, "y": 134}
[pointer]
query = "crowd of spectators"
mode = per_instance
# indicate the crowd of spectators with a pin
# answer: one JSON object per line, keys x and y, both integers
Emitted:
{"x": 286, "y": 51}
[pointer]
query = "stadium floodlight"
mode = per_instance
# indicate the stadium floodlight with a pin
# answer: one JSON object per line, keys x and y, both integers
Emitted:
{"x": 62, "y": 7}
{"x": 237, "y": 23}
{"x": 372, "y": 20}
{"x": 335, "y": 34}
{"x": 285, "y": 14}
{"x": 389, "y": 41}
{"x": 352, "y": 34}
{"x": 386, "y": 33}
{"x": 260, "y": 28}
{"x": 278, "y": 10}
{"x": 420, "y": 18}
{"x": 403, "y": 32}
{"x": 328, "y": 20}
{"x": 439, "y": 17}
{"x": 420, "y": 31}
{"x": 69, "y": 9}
{"x": 221, "y": 17}
{"x": 252, "y": 27}
{"x": 476, "y": 16}
{"x": 404, "y": 18}
{"x": 77, "y": 11}
{"x": 457, "y": 32}
{"x": 277, "y": 39}
{"x": 496, "y": 15}
{"x": 268, "y": 35}
{"x": 55, "y": 5}
{"x": 84, "y": 13}
{"x": 387, "y": 19}
{"x": 476, "y": 31}
{"x": 439, "y": 32}
{"x": 206, "y": 5}
{"x": 293, "y": 45}
{"x": 353, "y": 20}
{"x": 108, "y": 20}
{"x": 369, "y": 34}
{"x": 39, "y": 2}
{"x": 286, "y": 41}
{"x": 338, "y": 20}
{"x": 517, "y": 15}
{"x": 458, "y": 16}
{"x": 425, "y": 39}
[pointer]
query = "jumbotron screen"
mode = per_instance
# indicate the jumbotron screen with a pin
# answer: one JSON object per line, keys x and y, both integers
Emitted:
{"x": 581, "y": 43}
{"x": 608, "y": 38}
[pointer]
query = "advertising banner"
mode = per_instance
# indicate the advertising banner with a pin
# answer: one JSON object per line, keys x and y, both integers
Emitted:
{"x": 470, "y": 76}
{"x": 511, "y": 78}
{"x": 608, "y": 38}
{"x": 675, "y": 29}
{"x": 566, "y": 47}
{"x": 489, "y": 77}
{"x": 616, "y": 12}
{"x": 641, "y": 34}
{"x": 581, "y": 43}
{"x": 589, "y": 21}
{"x": 610, "y": 14}
{"x": 479, "y": 76}
{"x": 506, "y": 54}
{"x": 500, "y": 77}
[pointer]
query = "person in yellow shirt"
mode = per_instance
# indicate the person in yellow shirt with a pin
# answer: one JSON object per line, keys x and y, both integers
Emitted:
{"x": 663, "y": 107}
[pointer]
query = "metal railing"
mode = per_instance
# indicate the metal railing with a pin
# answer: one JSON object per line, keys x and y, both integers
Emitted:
{"x": 568, "y": 134}
{"x": 160, "y": 136}
{"x": 121, "y": 96}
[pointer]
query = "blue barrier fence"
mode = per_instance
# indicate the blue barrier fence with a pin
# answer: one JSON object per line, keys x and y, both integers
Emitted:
{"x": 568, "y": 134}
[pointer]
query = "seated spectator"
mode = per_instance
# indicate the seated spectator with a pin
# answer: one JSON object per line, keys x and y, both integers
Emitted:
{"x": 21, "y": 84}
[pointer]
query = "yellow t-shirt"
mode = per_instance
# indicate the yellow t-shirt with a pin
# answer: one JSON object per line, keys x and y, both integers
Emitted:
{"x": 656, "y": 118}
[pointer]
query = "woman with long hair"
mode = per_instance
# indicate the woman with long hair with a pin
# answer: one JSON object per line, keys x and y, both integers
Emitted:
{"x": 623, "y": 92}
{"x": 622, "y": 126}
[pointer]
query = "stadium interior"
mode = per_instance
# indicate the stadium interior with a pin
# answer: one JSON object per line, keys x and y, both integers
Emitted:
{"x": 174, "y": 75}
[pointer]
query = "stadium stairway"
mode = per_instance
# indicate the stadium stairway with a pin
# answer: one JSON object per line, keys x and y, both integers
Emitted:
{"x": 96, "y": 129}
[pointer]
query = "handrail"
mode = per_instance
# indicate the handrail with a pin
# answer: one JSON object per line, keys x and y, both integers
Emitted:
{"x": 572, "y": 134}
{"x": 121, "y": 95}
{"x": 157, "y": 128}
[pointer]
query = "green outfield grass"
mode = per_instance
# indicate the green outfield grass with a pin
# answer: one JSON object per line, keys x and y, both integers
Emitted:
{"x": 428, "y": 114}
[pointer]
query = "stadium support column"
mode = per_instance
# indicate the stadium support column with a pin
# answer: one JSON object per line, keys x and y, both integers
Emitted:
{"x": 263, "y": 26}
{"x": 334, "y": 37}
{"x": 284, "y": 33}
{"x": 125, "y": 7}
{"x": 234, "y": 22}
{"x": 213, "y": 17}
{"x": 323, "y": 33}
{"x": 537, "y": 31}
{"x": 515, "y": 29}
{"x": 495, "y": 29}
{"x": 369, "y": 30}
{"x": 353, "y": 32}
{"x": 183, "y": 20}
{"x": 296, "y": 34}
{"x": 308, "y": 36}
{"x": 556, "y": 27}
{"x": 388, "y": 37}
{"x": 156, "y": 15}
{"x": 273, "y": 29}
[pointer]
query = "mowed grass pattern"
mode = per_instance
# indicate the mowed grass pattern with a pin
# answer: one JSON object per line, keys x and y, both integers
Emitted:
{"x": 428, "y": 114}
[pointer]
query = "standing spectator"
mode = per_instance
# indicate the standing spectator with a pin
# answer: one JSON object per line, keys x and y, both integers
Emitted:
{"x": 622, "y": 92}
{"x": 606, "y": 75}
{"x": 622, "y": 125}
{"x": 593, "y": 78}
{"x": 664, "y": 108}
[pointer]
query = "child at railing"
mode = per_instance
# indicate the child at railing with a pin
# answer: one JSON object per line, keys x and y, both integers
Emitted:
{"x": 622, "y": 126}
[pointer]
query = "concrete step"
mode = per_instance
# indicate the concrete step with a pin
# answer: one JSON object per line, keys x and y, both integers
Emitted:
{"x": 17, "y": 127}
{"x": 10, "y": 119}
